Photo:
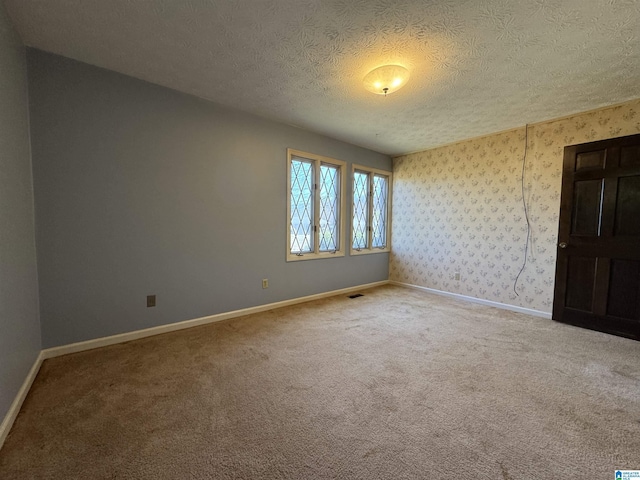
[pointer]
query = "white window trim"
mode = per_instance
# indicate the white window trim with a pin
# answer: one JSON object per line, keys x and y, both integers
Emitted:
{"x": 317, "y": 161}
{"x": 372, "y": 171}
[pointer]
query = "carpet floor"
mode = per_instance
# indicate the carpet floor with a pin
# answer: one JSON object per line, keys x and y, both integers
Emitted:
{"x": 397, "y": 384}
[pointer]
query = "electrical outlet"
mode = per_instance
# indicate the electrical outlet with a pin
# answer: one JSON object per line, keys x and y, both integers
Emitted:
{"x": 151, "y": 301}
{"x": 265, "y": 283}
{"x": 456, "y": 276}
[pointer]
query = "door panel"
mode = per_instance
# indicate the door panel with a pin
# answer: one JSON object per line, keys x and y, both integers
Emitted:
{"x": 624, "y": 289}
{"x": 598, "y": 266}
{"x": 628, "y": 207}
{"x": 590, "y": 160}
{"x": 581, "y": 277}
{"x": 630, "y": 156}
{"x": 587, "y": 206}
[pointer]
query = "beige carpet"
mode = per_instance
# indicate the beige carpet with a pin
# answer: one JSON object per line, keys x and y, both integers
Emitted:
{"x": 398, "y": 384}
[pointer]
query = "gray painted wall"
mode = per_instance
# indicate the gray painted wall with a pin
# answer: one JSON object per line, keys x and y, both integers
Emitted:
{"x": 19, "y": 323}
{"x": 143, "y": 190}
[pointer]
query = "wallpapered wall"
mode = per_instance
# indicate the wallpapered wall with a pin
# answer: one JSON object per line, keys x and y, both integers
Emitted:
{"x": 459, "y": 208}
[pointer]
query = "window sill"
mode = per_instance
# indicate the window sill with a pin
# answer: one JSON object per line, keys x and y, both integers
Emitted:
{"x": 314, "y": 256}
{"x": 368, "y": 251}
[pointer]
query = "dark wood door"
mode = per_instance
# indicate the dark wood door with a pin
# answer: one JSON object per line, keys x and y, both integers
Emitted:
{"x": 598, "y": 266}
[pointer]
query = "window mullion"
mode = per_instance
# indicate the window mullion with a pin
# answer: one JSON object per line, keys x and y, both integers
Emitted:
{"x": 370, "y": 213}
{"x": 316, "y": 207}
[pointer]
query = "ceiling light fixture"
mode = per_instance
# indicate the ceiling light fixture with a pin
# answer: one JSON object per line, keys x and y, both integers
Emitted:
{"x": 386, "y": 79}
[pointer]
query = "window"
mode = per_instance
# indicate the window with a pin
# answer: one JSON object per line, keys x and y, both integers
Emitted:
{"x": 370, "y": 210}
{"x": 316, "y": 206}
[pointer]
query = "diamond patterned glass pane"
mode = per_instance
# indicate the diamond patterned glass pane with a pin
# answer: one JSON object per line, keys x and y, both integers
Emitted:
{"x": 329, "y": 207}
{"x": 360, "y": 210}
{"x": 379, "y": 220}
{"x": 301, "y": 240}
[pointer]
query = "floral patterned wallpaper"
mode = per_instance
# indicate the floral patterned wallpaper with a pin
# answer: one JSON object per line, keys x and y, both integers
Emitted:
{"x": 458, "y": 208}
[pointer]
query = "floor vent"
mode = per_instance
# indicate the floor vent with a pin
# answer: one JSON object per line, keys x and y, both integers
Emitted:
{"x": 356, "y": 295}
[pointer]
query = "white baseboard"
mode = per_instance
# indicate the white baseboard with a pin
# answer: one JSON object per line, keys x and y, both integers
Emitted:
{"x": 14, "y": 409}
{"x": 172, "y": 327}
{"x": 504, "y": 306}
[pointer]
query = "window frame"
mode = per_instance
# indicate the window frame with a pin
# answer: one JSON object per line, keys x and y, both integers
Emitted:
{"x": 317, "y": 161}
{"x": 371, "y": 172}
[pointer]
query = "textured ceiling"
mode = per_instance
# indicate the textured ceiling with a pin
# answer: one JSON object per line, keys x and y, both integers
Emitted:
{"x": 477, "y": 66}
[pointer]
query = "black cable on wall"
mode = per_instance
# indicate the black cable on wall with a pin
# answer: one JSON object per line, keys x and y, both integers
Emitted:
{"x": 526, "y": 209}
